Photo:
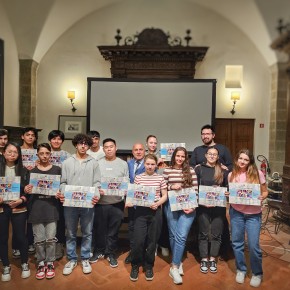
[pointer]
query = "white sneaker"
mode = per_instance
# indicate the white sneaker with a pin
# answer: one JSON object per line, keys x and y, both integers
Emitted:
{"x": 256, "y": 280}
{"x": 25, "y": 271}
{"x": 164, "y": 252}
{"x": 68, "y": 267}
{"x": 87, "y": 269}
{"x": 240, "y": 277}
{"x": 180, "y": 270}
{"x": 6, "y": 275}
{"x": 174, "y": 274}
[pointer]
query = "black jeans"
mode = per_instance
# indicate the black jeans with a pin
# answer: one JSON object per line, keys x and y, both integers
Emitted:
{"x": 131, "y": 220}
{"x": 164, "y": 235}
{"x": 107, "y": 222}
{"x": 147, "y": 228}
{"x": 60, "y": 229}
{"x": 210, "y": 223}
{"x": 18, "y": 221}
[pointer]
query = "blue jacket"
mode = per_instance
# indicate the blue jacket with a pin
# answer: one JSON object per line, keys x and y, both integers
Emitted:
{"x": 132, "y": 174}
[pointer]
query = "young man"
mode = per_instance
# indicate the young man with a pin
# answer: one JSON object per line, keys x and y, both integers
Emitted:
{"x": 96, "y": 151}
{"x": 83, "y": 170}
{"x": 56, "y": 139}
{"x": 29, "y": 138}
{"x": 109, "y": 210}
{"x": 136, "y": 167}
{"x": 3, "y": 139}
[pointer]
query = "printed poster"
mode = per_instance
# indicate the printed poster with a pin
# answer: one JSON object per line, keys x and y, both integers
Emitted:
{"x": 29, "y": 157}
{"x": 10, "y": 188}
{"x": 140, "y": 195}
{"x": 80, "y": 196}
{"x": 182, "y": 199}
{"x": 212, "y": 196}
{"x": 167, "y": 149}
{"x": 116, "y": 186}
{"x": 45, "y": 184}
{"x": 58, "y": 157}
{"x": 244, "y": 193}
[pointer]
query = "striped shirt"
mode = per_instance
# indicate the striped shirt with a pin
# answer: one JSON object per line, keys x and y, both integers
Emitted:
{"x": 155, "y": 180}
{"x": 173, "y": 175}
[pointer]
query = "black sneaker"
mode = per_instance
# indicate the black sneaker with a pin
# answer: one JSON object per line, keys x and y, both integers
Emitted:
{"x": 128, "y": 259}
{"x": 212, "y": 266}
{"x": 149, "y": 274}
{"x": 96, "y": 256}
{"x": 134, "y": 273}
{"x": 113, "y": 261}
{"x": 204, "y": 266}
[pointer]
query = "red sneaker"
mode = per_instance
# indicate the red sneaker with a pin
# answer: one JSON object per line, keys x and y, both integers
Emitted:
{"x": 50, "y": 272}
{"x": 40, "y": 272}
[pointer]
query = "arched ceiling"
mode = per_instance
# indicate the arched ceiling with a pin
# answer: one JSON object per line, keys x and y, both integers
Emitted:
{"x": 37, "y": 24}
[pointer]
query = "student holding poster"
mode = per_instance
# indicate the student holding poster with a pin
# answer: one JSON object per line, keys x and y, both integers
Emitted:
{"x": 210, "y": 218}
{"x": 247, "y": 219}
{"x": 14, "y": 211}
{"x": 179, "y": 175}
{"x": 44, "y": 215}
{"x": 147, "y": 221}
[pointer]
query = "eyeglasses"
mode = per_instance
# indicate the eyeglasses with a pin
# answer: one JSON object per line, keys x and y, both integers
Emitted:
{"x": 83, "y": 143}
{"x": 11, "y": 152}
{"x": 206, "y": 134}
{"x": 212, "y": 154}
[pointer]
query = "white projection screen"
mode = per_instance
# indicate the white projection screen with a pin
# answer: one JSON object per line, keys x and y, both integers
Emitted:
{"x": 130, "y": 110}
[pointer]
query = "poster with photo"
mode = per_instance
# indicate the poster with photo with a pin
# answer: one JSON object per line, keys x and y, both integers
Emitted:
{"x": 45, "y": 184}
{"x": 245, "y": 193}
{"x": 79, "y": 196}
{"x": 29, "y": 157}
{"x": 58, "y": 157}
{"x": 140, "y": 195}
{"x": 182, "y": 199}
{"x": 117, "y": 186}
{"x": 10, "y": 188}
{"x": 167, "y": 149}
{"x": 212, "y": 196}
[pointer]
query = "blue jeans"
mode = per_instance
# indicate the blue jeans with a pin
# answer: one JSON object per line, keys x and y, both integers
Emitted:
{"x": 179, "y": 224}
{"x": 72, "y": 216}
{"x": 251, "y": 224}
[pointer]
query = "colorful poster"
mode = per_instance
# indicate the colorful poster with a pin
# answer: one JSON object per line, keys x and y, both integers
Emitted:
{"x": 140, "y": 195}
{"x": 45, "y": 184}
{"x": 79, "y": 196}
{"x": 212, "y": 196}
{"x": 167, "y": 149}
{"x": 10, "y": 188}
{"x": 182, "y": 199}
{"x": 29, "y": 157}
{"x": 117, "y": 186}
{"x": 58, "y": 157}
{"x": 244, "y": 193}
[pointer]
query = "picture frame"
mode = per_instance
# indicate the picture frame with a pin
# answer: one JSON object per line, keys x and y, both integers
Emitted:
{"x": 72, "y": 125}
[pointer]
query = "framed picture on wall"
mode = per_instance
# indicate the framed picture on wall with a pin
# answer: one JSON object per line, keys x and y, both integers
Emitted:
{"x": 72, "y": 125}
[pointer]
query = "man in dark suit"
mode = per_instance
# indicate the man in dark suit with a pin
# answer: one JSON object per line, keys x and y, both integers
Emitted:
{"x": 136, "y": 166}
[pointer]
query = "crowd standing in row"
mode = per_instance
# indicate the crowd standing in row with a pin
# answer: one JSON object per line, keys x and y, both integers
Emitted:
{"x": 210, "y": 164}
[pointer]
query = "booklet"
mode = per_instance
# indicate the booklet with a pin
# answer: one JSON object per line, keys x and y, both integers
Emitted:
{"x": 117, "y": 186}
{"x": 80, "y": 196}
{"x": 167, "y": 149}
{"x": 244, "y": 193}
{"x": 45, "y": 184}
{"x": 29, "y": 157}
{"x": 140, "y": 195}
{"x": 212, "y": 196}
{"x": 10, "y": 188}
{"x": 182, "y": 199}
{"x": 58, "y": 157}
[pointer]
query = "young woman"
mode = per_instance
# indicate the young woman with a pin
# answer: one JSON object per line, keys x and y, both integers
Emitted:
{"x": 14, "y": 211}
{"x": 247, "y": 219}
{"x": 147, "y": 221}
{"x": 44, "y": 215}
{"x": 179, "y": 175}
{"x": 210, "y": 219}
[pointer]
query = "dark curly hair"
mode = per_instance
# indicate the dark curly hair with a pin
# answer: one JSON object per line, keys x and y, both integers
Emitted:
{"x": 82, "y": 138}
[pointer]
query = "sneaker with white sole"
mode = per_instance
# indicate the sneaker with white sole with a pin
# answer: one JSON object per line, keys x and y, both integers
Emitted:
{"x": 112, "y": 261}
{"x": 240, "y": 277}
{"x": 25, "y": 271}
{"x": 174, "y": 274}
{"x": 6, "y": 274}
{"x": 40, "y": 272}
{"x": 212, "y": 266}
{"x": 50, "y": 271}
{"x": 95, "y": 257}
{"x": 15, "y": 254}
{"x": 164, "y": 252}
{"x": 31, "y": 249}
{"x": 204, "y": 266}
{"x": 68, "y": 267}
{"x": 180, "y": 270}
{"x": 87, "y": 269}
{"x": 256, "y": 280}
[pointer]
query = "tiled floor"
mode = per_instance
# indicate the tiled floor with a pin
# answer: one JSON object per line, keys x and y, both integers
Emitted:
{"x": 276, "y": 252}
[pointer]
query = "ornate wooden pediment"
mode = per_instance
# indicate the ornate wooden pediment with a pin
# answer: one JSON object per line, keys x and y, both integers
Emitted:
{"x": 153, "y": 54}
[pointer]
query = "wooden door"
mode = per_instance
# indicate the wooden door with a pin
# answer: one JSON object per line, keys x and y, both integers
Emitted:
{"x": 235, "y": 134}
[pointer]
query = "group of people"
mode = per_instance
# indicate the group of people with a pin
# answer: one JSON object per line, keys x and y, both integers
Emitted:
{"x": 210, "y": 164}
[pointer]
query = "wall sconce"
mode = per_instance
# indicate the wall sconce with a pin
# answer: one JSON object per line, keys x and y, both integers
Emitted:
{"x": 235, "y": 96}
{"x": 71, "y": 96}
